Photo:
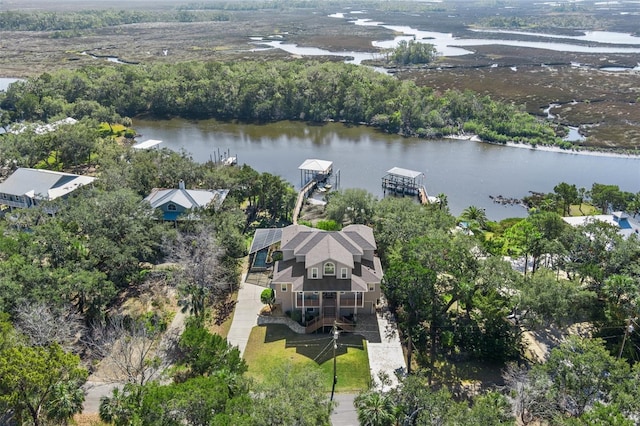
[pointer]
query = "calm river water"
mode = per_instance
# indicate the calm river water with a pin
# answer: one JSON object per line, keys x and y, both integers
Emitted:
{"x": 468, "y": 172}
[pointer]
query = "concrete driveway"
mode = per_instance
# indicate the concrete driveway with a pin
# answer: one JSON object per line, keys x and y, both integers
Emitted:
{"x": 245, "y": 315}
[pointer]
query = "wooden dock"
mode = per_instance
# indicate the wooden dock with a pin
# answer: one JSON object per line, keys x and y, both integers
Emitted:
{"x": 405, "y": 182}
{"x": 423, "y": 196}
{"x": 302, "y": 195}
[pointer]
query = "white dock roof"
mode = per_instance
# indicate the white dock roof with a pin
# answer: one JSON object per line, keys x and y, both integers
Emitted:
{"x": 316, "y": 165}
{"x": 147, "y": 144}
{"x": 404, "y": 172}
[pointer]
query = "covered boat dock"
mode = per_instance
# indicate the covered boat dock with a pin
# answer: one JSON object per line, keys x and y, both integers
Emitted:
{"x": 314, "y": 170}
{"x": 148, "y": 144}
{"x": 314, "y": 174}
{"x": 405, "y": 182}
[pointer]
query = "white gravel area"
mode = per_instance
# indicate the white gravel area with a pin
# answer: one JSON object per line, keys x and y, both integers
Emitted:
{"x": 386, "y": 357}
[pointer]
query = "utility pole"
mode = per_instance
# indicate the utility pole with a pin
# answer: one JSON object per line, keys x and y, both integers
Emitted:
{"x": 628, "y": 329}
{"x": 335, "y": 346}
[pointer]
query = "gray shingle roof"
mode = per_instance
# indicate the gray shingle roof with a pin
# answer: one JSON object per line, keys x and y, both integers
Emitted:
{"x": 187, "y": 198}
{"x": 316, "y": 247}
{"x": 325, "y": 248}
{"x": 361, "y": 235}
{"x": 42, "y": 184}
{"x": 294, "y": 235}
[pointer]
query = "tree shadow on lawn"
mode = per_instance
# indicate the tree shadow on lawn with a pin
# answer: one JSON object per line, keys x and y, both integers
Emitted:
{"x": 466, "y": 379}
{"x": 317, "y": 347}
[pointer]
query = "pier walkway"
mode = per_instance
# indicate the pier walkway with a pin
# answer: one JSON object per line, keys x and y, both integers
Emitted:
{"x": 302, "y": 195}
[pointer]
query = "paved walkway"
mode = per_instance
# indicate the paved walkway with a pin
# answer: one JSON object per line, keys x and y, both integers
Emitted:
{"x": 245, "y": 315}
{"x": 94, "y": 391}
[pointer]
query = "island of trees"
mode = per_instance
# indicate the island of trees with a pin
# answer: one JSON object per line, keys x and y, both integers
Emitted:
{"x": 271, "y": 91}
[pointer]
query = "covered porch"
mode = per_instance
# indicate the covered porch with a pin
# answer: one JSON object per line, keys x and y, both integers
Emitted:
{"x": 326, "y": 308}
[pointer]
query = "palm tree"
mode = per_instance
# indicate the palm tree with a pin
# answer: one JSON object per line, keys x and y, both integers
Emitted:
{"x": 375, "y": 409}
{"x": 582, "y": 193}
{"x": 443, "y": 203}
{"x": 66, "y": 400}
{"x": 548, "y": 204}
{"x": 475, "y": 215}
{"x": 118, "y": 409}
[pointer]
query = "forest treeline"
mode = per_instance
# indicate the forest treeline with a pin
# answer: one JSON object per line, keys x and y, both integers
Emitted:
{"x": 92, "y": 19}
{"x": 271, "y": 91}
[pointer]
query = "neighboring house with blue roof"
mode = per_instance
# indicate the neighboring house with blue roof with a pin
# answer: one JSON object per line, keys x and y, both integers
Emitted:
{"x": 175, "y": 202}
{"x": 28, "y": 187}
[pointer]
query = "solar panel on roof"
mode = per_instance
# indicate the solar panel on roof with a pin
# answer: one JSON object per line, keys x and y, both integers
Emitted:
{"x": 264, "y": 238}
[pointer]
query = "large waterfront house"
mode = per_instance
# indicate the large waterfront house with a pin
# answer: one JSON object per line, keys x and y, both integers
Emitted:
{"x": 28, "y": 187}
{"x": 327, "y": 275}
{"x": 175, "y": 202}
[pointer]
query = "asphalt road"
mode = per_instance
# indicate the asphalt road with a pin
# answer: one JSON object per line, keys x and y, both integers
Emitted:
{"x": 345, "y": 413}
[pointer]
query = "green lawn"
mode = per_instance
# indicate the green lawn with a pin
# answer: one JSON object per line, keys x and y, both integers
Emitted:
{"x": 587, "y": 209}
{"x": 272, "y": 345}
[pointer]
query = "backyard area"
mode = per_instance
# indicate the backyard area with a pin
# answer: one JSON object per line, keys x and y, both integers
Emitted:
{"x": 270, "y": 346}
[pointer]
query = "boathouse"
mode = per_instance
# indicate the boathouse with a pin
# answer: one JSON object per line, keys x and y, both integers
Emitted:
{"x": 146, "y": 145}
{"x": 405, "y": 182}
{"x": 314, "y": 170}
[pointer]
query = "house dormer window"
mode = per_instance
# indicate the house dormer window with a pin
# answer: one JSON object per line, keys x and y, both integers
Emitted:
{"x": 343, "y": 273}
{"x": 314, "y": 272}
{"x": 329, "y": 268}
{"x": 171, "y": 207}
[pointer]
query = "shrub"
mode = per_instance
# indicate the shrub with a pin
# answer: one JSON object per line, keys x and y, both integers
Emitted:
{"x": 328, "y": 225}
{"x": 267, "y": 296}
{"x": 296, "y": 315}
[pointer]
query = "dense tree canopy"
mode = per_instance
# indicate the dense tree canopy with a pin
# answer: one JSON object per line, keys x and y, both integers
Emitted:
{"x": 268, "y": 91}
{"x": 91, "y": 19}
{"x": 40, "y": 383}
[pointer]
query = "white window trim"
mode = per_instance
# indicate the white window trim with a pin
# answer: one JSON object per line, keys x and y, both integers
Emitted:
{"x": 344, "y": 273}
{"x": 283, "y": 287}
{"x": 324, "y": 269}
{"x": 314, "y": 273}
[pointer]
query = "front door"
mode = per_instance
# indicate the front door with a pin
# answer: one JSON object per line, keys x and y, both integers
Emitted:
{"x": 329, "y": 304}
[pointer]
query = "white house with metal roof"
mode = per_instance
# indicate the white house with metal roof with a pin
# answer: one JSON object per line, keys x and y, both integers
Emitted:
{"x": 176, "y": 201}
{"x": 626, "y": 225}
{"x": 27, "y": 187}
